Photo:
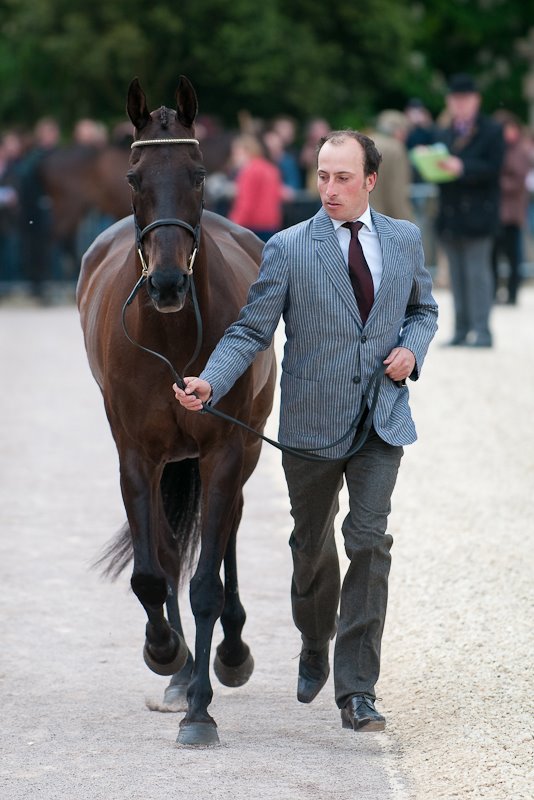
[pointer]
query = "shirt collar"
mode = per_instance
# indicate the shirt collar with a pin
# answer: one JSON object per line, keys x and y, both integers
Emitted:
{"x": 365, "y": 218}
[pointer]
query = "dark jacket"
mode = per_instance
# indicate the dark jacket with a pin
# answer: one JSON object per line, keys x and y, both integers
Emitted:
{"x": 469, "y": 205}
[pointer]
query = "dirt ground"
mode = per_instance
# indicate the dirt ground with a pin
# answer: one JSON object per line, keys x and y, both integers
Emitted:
{"x": 456, "y": 683}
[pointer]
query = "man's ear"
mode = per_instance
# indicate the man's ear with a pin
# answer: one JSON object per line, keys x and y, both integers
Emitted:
{"x": 370, "y": 181}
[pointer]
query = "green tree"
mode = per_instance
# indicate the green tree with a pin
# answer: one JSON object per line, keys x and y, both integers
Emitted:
{"x": 476, "y": 36}
{"x": 70, "y": 58}
{"x": 344, "y": 61}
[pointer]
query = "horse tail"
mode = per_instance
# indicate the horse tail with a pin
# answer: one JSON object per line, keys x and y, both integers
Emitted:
{"x": 117, "y": 554}
{"x": 180, "y": 488}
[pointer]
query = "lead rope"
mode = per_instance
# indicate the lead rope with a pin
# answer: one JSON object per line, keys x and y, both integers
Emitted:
{"x": 177, "y": 377}
{"x": 372, "y": 391}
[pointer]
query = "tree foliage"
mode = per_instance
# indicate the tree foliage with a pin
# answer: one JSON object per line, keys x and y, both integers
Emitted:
{"x": 482, "y": 37}
{"x": 343, "y": 61}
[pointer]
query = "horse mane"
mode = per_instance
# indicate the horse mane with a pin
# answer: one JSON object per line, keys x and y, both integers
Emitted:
{"x": 164, "y": 117}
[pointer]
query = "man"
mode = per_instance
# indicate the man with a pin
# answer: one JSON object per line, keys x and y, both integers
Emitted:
{"x": 514, "y": 202}
{"x": 330, "y": 354}
{"x": 38, "y": 256}
{"x": 391, "y": 195}
{"x": 468, "y": 216}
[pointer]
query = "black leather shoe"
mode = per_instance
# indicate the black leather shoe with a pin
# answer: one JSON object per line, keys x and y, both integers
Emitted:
{"x": 360, "y": 714}
{"x": 481, "y": 341}
{"x": 314, "y": 670}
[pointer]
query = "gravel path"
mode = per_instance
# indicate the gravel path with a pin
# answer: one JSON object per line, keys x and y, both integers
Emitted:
{"x": 457, "y": 654}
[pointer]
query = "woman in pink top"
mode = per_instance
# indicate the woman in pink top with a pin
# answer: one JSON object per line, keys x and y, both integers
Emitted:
{"x": 259, "y": 189}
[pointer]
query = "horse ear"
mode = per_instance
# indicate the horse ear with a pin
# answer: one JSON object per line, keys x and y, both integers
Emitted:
{"x": 136, "y": 106}
{"x": 186, "y": 102}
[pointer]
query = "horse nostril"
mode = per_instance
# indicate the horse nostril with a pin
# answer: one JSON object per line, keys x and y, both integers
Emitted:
{"x": 167, "y": 284}
{"x": 154, "y": 285}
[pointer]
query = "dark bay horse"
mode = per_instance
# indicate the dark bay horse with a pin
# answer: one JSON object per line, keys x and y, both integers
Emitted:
{"x": 181, "y": 474}
{"x": 80, "y": 178}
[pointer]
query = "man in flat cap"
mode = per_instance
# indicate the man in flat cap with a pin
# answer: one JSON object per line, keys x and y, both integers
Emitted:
{"x": 468, "y": 216}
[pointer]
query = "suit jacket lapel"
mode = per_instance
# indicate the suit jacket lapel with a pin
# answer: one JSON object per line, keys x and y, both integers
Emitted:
{"x": 390, "y": 257}
{"x": 331, "y": 257}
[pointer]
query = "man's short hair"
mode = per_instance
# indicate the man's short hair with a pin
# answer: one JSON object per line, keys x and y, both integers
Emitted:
{"x": 372, "y": 157}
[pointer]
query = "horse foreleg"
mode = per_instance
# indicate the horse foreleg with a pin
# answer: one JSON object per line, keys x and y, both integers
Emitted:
{"x": 233, "y": 664}
{"x": 165, "y": 651}
{"x": 222, "y": 498}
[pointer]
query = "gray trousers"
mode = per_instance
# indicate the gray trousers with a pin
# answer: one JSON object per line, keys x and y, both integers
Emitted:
{"x": 471, "y": 277}
{"x": 316, "y": 588}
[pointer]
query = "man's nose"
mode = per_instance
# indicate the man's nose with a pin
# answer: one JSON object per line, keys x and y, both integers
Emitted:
{"x": 331, "y": 189}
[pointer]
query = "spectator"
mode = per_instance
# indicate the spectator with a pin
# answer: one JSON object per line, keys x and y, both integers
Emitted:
{"x": 93, "y": 136}
{"x": 420, "y": 131}
{"x": 420, "y": 122}
{"x": 38, "y": 259}
{"x": 11, "y": 147}
{"x": 468, "y": 213}
{"x": 316, "y": 129}
{"x": 258, "y": 189}
{"x": 286, "y": 129}
{"x": 286, "y": 163}
{"x": 514, "y": 203}
{"x": 530, "y": 188}
{"x": 391, "y": 194}
{"x": 90, "y": 133}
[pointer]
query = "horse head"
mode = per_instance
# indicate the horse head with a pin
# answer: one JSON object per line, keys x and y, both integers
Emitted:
{"x": 166, "y": 176}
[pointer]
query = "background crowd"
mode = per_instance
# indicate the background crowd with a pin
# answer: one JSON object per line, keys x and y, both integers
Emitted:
{"x": 262, "y": 176}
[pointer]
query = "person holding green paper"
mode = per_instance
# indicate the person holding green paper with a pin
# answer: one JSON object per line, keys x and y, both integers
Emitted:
{"x": 468, "y": 212}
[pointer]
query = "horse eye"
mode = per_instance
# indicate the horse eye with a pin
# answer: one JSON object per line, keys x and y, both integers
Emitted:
{"x": 132, "y": 180}
{"x": 200, "y": 177}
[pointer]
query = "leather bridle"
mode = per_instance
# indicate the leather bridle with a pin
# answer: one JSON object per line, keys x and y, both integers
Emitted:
{"x": 140, "y": 233}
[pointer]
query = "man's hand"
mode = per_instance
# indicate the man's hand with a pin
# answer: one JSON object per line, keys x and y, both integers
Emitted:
{"x": 193, "y": 402}
{"x": 452, "y": 164}
{"x": 400, "y": 363}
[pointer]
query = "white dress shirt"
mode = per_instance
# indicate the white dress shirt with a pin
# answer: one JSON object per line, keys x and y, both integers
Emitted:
{"x": 369, "y": 242}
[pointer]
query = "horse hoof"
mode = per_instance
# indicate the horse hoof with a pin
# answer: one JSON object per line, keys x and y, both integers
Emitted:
{"x": 168, "y": 667}
{"x": 198, "y": 734}
{"x": 175, "y": 697}
{"x": 233, "y": 676}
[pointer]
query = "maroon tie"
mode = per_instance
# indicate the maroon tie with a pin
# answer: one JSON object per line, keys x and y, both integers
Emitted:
{"x": 359, "y": 272}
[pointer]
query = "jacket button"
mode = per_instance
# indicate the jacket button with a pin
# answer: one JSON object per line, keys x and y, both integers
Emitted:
{"x": 363, "y": 339}
{"x": 356, "y": 379}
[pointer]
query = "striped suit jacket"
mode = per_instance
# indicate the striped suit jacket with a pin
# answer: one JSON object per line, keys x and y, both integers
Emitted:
{"x": 329, "y": 356}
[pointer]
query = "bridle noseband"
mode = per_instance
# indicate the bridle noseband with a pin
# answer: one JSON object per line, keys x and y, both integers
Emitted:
{"x": 140, "y": 233}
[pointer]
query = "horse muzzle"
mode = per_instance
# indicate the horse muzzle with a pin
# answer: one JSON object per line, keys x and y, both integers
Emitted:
{"x": 168, "y": 289}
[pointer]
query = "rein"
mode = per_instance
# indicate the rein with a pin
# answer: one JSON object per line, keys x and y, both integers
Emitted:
{"x": 364, "y": 419}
